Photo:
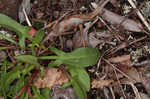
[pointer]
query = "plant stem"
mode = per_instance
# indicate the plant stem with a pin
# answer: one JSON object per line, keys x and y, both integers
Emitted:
{"x": 48, "y": 57}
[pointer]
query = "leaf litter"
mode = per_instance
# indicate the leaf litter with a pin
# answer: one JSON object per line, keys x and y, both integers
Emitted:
{"x": 52, "y": 77}
{"x": 104, "y": 26}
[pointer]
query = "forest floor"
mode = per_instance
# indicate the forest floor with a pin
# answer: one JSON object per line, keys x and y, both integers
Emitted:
{"x": 118, "y": 29}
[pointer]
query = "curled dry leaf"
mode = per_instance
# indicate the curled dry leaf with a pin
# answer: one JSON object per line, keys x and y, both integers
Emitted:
{"x": 52, "y": 77}
{"x": 116, "y": 19}
{"x": 120, "y": 59}
{"x": 133, "y": 76}
{"x": 100, "y": 83}
{"x": 126, "y": 23}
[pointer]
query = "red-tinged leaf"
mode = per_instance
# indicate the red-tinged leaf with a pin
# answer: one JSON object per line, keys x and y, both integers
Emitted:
{"x": 32, "y": 31}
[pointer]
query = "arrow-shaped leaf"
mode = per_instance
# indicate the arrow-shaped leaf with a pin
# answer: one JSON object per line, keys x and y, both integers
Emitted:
{"x": 79, "y": 57}
{"x": 22, "y": 31}
{"x": 28, "y": 59}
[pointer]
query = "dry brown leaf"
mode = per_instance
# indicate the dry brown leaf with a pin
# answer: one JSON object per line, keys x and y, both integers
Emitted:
{"x": 133, "y": 74}
{"x": 144, "y": 96}
{"x": 1, "y": 97}
{"x": 126, "y": 23}
{"x": 120, "y": 59}
{"x": 52, "y": 76}
{"x": 99, "y": 38}
{"x": 146, "y": 84}
{"x": 118, "y": 20}
{"x": 100, "y": 83}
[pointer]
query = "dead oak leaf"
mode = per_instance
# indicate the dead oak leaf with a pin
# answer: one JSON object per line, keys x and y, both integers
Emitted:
{"x": 52, "y": 76}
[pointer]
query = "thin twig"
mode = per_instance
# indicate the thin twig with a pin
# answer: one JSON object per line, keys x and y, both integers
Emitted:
{"x": 119, "y": 83}
{"x": 126, "y": 44}
{"x": 82, "y": 35}
{"x": 136, "y": 92}
{"x": 139, "y": 14}
{"x": 109, "y": 29}
{"x": 55, "y": 22}
{"x": 85, "y": 31}
{"x": 119, "y": 70}
{"x": 26, "y": 17}
{"x": 113, "y": 95}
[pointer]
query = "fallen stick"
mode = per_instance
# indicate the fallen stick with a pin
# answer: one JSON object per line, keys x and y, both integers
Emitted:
{"x": 140, "y": 15}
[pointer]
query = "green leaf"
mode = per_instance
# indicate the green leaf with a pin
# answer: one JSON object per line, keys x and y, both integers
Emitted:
{"x": 3, "y": 36}
{"x": 7, "y": 79}
{"x": 2, "y": 48}
{"x": 22, "y": 95}
{"x": 56, "y": 51}
{"x": 27, "y": 69}
{"x": 36, "y": 93}
{"x": 15, "y": 88}
{"x": 12, "y": 24}
{"x": 80, "y": 57}
{"x": 28, "y": 59}
{"x": 48, "y": 57}
{"x": 22, "y": 42}
{"x": 22, "y": 31}
{"x": 55, "y": 63}
{"x": 67, "y": 84}
{"x": 38, "y": 37}
{"x": 45, "y": 93}
{"x": 81, "y": 93}
{"x": 26, "y": 96}
{"x": 81, "y": 76}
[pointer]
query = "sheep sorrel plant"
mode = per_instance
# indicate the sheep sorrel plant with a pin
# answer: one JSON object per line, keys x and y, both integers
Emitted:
{"x": 18, "y": 72}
